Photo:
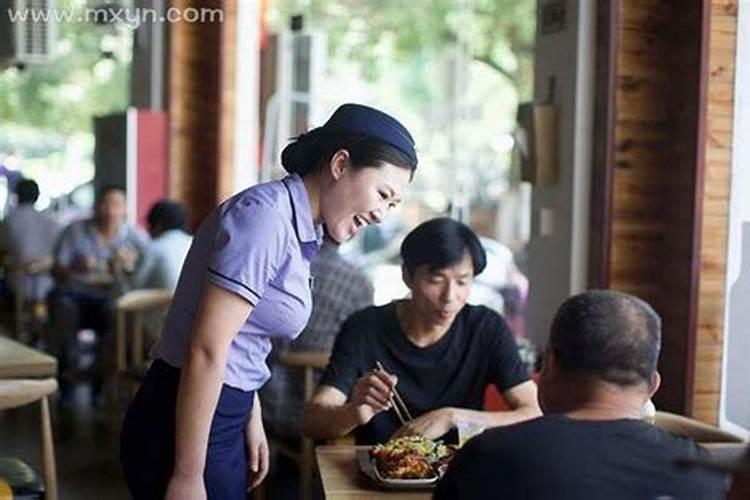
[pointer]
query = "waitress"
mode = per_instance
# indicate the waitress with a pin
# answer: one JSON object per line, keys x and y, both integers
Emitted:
{"x": 194, "y": 430}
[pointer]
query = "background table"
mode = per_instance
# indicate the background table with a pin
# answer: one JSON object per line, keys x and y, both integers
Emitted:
{"x": 343, "y": 480}
{"x": 20, "y": 361}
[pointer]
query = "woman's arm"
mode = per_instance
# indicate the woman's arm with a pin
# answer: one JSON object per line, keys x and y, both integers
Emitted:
{"x": 219, "y": 318}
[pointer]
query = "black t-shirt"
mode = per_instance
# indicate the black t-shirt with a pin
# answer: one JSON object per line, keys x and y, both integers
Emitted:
{"x": 562, "y": 458}
{"x": 477, "y": 350}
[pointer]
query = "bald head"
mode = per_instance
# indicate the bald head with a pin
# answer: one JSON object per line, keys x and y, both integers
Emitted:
{"x": 609, "y": 335}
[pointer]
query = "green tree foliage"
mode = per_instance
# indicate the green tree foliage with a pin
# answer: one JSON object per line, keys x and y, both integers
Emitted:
{"x": 497, "y": 33}
{"x": 88, "y": 76}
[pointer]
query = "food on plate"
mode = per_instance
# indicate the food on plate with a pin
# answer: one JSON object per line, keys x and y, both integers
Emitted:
{"x": 411, "y": 457}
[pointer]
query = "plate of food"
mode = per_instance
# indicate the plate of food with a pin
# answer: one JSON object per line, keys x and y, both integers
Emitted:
{"x": 412, "y": 462}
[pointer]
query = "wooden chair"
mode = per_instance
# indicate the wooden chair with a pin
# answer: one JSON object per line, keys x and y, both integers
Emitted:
{"x": 694, "y": 429}
{"x": 28, "y": 312}
{"x": 20, "y": 392}
{"x": 130, "y": 310}
{"x": 305, "y": 456}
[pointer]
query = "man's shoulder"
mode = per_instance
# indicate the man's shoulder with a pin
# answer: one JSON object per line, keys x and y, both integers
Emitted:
{"x": 369, "y": 317}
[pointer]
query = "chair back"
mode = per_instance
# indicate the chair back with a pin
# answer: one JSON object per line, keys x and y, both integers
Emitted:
{"x": 15, "y": 393}
{"x": 133, "y": 306}
{"x": 696, "y": 430}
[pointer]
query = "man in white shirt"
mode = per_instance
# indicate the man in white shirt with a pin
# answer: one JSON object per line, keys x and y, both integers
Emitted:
{"x": 168, "y": 248}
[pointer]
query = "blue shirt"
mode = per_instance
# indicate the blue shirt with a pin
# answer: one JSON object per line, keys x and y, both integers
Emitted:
{"x": 258, "y": 244}
{"x": 81, "y": 239}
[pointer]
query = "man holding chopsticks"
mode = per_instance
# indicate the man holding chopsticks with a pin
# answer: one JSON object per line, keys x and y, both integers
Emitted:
{"x": 421, "y": 365}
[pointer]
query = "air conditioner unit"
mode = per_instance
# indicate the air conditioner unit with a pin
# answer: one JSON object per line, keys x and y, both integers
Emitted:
{"x": 292, "y": 72}
{"x": 28, "y": 31}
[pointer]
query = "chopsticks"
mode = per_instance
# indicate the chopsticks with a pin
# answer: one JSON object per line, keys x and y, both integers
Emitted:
{"x": 396, "y": 401}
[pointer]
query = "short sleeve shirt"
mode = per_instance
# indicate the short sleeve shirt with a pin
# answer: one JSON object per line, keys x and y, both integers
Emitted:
{"x": 477, "y": 350}
{"x": 81, "y": 239}
{"x": 258, "y": 244}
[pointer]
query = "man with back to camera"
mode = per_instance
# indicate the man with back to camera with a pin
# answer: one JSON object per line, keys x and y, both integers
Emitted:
{"x": 599, "y": 370}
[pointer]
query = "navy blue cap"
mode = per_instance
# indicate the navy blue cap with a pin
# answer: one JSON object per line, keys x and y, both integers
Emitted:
{"x": 361, "y": 119}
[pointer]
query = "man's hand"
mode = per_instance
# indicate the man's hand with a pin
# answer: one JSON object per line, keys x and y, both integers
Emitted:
{"x": 257, "y": 447}
{"x": 371, "y": 395}
{"x": 430, "y": 425}
{"x": 83, "y": 263}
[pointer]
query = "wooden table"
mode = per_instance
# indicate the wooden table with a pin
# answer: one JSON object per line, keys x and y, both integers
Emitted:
{"x": 343, "y": 480}
{"x": 20, "y": 361}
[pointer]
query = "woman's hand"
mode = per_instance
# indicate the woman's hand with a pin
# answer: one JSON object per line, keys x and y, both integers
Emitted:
{"x": 371, "y": 395}
{"x": 430, "y": 425}
{"x": 186, "y": 488}
{"x": 257, "y": 445}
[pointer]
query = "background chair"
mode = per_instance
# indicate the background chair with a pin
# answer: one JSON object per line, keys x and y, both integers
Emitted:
{"x": 304, "y": 456}
{"x": 693, "y": 429}
{"x": 23, "y": 480}
{"x": 141, "y": 310}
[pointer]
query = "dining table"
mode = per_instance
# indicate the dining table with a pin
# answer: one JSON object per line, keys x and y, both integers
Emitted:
{"x": 342, "y": 479}
{"x": 21, "y": 361}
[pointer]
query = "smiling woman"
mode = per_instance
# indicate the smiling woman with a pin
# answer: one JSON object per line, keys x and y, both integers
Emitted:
{"x": 246, "y": 280}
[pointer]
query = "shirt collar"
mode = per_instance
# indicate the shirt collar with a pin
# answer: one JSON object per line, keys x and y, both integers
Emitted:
{"x": 306, "y": 229}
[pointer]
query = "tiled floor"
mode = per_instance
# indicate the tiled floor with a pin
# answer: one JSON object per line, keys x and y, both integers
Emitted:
{"x": 86, "y": 447}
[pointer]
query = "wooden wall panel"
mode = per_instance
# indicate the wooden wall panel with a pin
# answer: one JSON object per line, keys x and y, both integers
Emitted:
{"x": 200, "y": 154}
{"x": 654, "y": 178}
{"x": 718, "y": 154}
{"x": 660, "y": 197}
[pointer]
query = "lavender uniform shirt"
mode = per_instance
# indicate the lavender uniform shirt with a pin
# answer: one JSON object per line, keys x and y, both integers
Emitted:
{"x": 258, "y": 244}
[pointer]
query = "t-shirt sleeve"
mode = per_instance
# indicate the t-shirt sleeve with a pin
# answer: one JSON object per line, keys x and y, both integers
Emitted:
{"x": 248, "y": 250}
{"x": 506, "y": 369}
{"x": 343, "y": 369}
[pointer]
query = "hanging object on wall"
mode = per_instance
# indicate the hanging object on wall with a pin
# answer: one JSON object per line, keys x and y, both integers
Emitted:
{"x": 536, "y": 139}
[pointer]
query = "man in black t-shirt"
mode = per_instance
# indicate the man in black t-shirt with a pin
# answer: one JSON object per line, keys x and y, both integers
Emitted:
{"x": 438, "y": 351}
{"x": 599, "y": 370}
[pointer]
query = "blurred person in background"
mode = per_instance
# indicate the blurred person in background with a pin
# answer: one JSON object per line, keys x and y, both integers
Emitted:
{"x": 94, "y": 259}
{"x": 440, "y": 351}
{"x": 169, "y": 245}
{"x": 28, "y": 237}
{"x": 599, "y": 370}
{"x": 339, "y": 289}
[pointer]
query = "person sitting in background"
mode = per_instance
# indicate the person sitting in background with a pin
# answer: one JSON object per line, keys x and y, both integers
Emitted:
{"x": 29, "y": 236}
{"x": 93, "y": 261}
{"x": 440, "y": 351}
{"x": 599, "y": 371}
{"x": 339, "y": 289}
{"x": 167, "y": 249}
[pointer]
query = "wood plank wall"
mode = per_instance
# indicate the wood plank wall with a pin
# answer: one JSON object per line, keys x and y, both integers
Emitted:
{"x": 652, "y": 220}
{"x": 200, "y": 152}
{"x": 661, "y": 182}
{"x": 715, "y": 199}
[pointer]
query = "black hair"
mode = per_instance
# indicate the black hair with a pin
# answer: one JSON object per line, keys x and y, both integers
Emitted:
{"x": 167, "y": 214}
{"x": 27, "y": 191}
{"x": 608, "y": 334}
{"x": 440, "y": 243}
{"x": 312, "y": 150}
{"x": 104, "y": 190}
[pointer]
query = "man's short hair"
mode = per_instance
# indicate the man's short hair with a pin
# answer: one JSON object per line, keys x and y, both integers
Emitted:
{"x": 167, "y": 214}
{"x": 440, "y": 243}
{"x": 27, "y": 191}
{"x": 611, "y": 335}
